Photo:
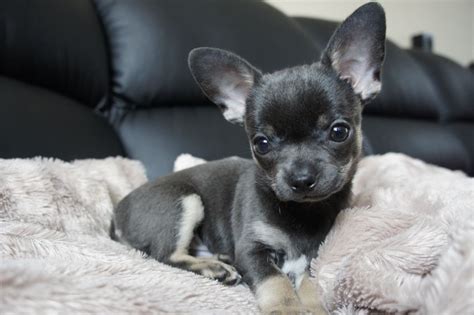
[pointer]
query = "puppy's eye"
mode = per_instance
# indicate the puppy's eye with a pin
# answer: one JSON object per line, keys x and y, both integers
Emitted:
{"x": 261, "y": 145}
{"x": 339, "y": 132}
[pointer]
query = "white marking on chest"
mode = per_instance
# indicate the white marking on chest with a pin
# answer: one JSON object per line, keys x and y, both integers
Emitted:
{"x": 295, "y": 269}
{"x": 272, "y": 236}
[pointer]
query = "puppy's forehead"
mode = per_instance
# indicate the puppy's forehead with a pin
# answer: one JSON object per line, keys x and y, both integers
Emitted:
{"x": 298, "y": 100}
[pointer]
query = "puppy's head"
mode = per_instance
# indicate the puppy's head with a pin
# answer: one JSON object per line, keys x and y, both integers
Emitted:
{"x": 303, "y": 123}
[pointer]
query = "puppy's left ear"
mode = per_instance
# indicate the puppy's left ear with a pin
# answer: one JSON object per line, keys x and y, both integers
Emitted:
{"x": 225, "y": 78}
{"x": 356, "y": 50}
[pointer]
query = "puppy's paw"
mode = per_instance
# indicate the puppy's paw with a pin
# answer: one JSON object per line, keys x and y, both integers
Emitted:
{"x": 221, "y": 272}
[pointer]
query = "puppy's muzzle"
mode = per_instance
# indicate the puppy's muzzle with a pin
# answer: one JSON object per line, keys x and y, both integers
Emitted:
{"x": 301, "y": 182}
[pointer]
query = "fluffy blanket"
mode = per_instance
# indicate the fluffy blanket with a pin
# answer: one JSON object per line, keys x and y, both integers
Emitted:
{"x": 405, "y": 245}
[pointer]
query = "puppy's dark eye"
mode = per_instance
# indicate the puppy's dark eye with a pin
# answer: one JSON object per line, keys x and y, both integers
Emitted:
{"x": 339, "y": 132}
{"x": 261, "y": 145}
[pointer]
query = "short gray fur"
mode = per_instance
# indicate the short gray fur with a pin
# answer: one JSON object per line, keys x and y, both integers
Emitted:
{"x": 280, "y": 205}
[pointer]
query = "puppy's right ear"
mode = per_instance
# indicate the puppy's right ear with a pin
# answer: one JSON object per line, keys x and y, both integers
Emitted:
{"x": 225, "y": 78}
{"x": 356, "y": 50}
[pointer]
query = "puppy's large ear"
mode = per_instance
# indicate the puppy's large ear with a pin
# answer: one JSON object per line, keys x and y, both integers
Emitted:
{"x": 356, "y": 50}
{"x": 225, "y": 78}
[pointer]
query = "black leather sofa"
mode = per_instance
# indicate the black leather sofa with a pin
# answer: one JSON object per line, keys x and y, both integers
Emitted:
{"x": 90, "y": 79}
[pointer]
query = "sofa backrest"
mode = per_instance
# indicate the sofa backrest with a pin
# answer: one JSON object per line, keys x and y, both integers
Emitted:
{"x": 157, "y": 108}
{"x": 108, "y": 77}
{"x": 53, "y": 73}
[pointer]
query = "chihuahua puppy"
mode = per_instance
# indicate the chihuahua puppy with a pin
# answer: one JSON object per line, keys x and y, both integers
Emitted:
{"x": 264, "y": 219}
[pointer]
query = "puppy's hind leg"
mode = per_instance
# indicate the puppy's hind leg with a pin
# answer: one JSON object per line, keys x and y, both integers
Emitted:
{"x": 211, "y": 267}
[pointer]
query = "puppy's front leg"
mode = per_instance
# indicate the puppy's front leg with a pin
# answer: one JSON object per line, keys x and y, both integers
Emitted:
{"x": 308, "y": 296}
{"x": 273, "y": 289}
{"x": 275, "y": 295}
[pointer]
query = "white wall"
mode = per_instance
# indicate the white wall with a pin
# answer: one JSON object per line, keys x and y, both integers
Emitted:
{"x": 449, "y": 21}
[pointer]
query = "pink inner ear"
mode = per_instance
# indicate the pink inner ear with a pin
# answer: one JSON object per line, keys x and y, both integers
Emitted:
{"x": 354, "y": 66}
{"x": 233, "y": 90}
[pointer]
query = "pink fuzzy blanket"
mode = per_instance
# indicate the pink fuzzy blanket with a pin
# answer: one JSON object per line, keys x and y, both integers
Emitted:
{"x": 406, "y": 244}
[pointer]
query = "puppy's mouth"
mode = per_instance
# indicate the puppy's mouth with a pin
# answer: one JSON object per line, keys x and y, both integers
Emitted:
{"x": 313, "y": 198}
{"x": 286, "y": 195}
{"x": 289, "y": 196}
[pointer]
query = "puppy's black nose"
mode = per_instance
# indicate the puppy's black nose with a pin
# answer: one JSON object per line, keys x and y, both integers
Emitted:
{"x": 302, "y": 183}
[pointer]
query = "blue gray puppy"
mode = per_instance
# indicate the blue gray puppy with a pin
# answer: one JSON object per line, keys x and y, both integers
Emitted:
{"x": 265, "y": 218}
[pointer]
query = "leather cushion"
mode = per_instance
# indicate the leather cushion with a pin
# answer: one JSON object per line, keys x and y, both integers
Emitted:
{"x": 428, "y": 141}
{"x": 319, "y": 30}
{"x": 465, "y": 132}
{"x": 55, "y": 44}
{"x": 454, "y": 85}
{"x": 34, "y": 121}
{"x": 150, "y": 41}
{"x": 157, "y": 136}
